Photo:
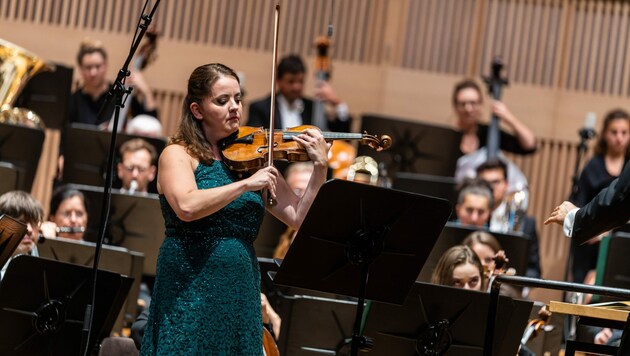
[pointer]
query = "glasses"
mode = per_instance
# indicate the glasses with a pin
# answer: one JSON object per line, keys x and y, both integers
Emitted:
{"x": 140, "y": 169}
{"x": 463, "y": 104}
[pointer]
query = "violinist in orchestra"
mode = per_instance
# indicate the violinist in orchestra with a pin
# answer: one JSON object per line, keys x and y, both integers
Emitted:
{"x": 86, "y": 101}
{"x": 22, "y": 206}
{"x": 206, "y": 297}
{"x": 459, "y": 267}
{"x": 292, "y": 107}
{"x": 68, "y": 214}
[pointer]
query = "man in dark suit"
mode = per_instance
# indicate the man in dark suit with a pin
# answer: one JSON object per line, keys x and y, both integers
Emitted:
{"x": 292, "y": 108}
{"x": 609, "y": 209}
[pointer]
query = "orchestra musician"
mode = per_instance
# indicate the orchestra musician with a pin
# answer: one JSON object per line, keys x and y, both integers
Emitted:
{"x": 136, "y": 168}
{"x": 459, "y": 267}
{"x": 206, "y": 297}
{"x": 495, "y": 174}
{"x": 86, "y": 101}
{"x": 292, "y": 107}
{"x": 467, "y": 102}
{"x": 23, "y": 207}
{"x": 68, "y": 214}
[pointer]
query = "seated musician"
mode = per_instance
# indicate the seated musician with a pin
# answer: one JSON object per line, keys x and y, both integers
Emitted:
{"x": 23, "y": 207}
{"x": 474, "y": 204}
{"x": 503, "y": 219}
{"x": 68, "y": 214}
{"x": 459, "y": 267}
{"x": 292, "y": 107}
{"x": 136, "y": 168}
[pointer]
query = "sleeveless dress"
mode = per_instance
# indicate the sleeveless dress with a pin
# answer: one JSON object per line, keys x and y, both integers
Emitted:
{"x": 206, "y": 298}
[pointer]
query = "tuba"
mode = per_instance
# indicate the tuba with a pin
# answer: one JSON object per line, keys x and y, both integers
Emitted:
{"x": 17, "y": 66}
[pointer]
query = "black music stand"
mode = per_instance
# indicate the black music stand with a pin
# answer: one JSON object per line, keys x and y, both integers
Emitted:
{"x": 427, "y": 184}
{"x": 417, "y": 147}
{"x": 135, "y": 222}
{"x": 11, "y": 233}
{"x": 48, "y": 95}
{"x": 440, "y": 320}
{"x": 85, "y": 149}
{"x": 46, "y": 317}
{"x": 21, "y": 146}
{"x": 9, "y": 175}
{"x": 514, "y": 245}
{"x": 113, "y": 258}
{"x": 354, "y": 230}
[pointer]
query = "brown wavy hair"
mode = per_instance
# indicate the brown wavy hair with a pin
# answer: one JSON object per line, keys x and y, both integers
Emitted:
{"x": 453, "y": 257}
{"x": 616, "y": 114}
{"x": 190, "y": 134}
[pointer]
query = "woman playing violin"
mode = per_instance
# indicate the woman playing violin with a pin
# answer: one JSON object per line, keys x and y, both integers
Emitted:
{"x": 207, "y": 291}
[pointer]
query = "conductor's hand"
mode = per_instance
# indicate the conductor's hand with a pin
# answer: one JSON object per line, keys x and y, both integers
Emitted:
{"x": 315, "y": 145}
{"x": 264, "y": 178}
{"x": 559, "y": 213}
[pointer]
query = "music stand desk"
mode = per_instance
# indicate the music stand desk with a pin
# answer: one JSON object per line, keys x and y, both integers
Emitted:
{"x": 113, "y": 259}
{"x": 43, "y": 303}
{"x": 22, "y": 147}
{"x": 353, "y": 230}
{"x": 86, "y": 148}
{"x": 495, "y": 286}
{"x": 595, "y": 316}
{"x": 442, "y": 320}
{"x": 135, "y": 222}
{"x": 514, "y": 245}
{"x": 417, "y": 146}
{"x": 9, "y": 175}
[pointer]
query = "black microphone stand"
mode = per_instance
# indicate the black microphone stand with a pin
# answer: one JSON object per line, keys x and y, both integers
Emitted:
{"x": 115, "y": 95}
{"x": 586, "y": 133}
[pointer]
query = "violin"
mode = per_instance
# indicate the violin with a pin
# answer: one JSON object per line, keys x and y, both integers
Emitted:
{"x": 270, "y": 348}
{"x": 536, "y": 325}
{"x": 248, "y": 149}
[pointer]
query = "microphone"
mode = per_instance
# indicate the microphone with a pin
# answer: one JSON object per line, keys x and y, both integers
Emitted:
{"x": 588, "y": 130}
{"x": 133, "y": 186}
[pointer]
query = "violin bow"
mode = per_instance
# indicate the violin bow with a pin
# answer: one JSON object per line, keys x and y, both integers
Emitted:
{"x": 272, "y": 116}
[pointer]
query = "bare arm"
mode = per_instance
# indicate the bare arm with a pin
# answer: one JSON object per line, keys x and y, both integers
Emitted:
{"x": 176, "y": 180}
{"x": 292, "y": 209}
{"x": 525, "y": 136}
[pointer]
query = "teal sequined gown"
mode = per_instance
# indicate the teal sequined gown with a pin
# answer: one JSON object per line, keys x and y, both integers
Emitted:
{"x": 206, "y": 298}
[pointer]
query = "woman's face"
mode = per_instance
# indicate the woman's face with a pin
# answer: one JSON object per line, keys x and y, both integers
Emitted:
{"x": 617, "y": 136}
{"x": 71, "y": 213}
{"x": 467, "y": 276}
{"x": 468, "y": 107}
{"x": 486, "y": 255}
{"x": 221, "y": 110}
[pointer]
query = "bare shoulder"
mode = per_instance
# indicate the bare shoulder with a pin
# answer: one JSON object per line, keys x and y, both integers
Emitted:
{"x": 175, "y": 165}
{"x": 176, "y": 156}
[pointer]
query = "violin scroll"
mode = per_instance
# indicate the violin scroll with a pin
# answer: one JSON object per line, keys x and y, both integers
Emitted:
{"x": 378, "y": 144}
